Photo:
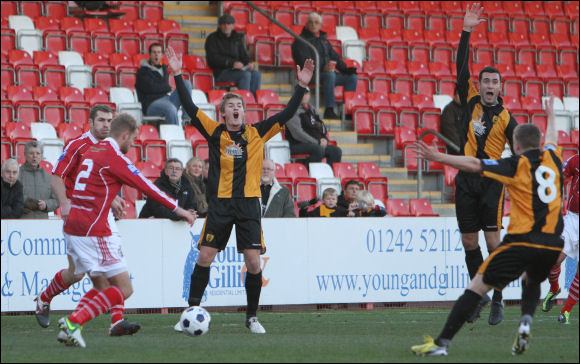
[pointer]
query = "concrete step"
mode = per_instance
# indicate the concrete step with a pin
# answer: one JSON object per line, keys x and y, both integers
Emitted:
{"x": 343, "y": 137}
{"x": 394, "y": 172}
{"x": 280, "y": 88}
{"x": 444, "y": 209}
{"x": 194, "y": 20}
{"x": 198, "y": 9}
{"x": 432, "y": 196}
{"x": 333, "y": 125}
{"x": 356, "y": 149}
{"x": 403, "y": 185}
{"x": 379, "y": 159}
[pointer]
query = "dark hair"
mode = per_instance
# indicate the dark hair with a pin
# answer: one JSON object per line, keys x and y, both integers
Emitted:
{"x": 456, "y": 90}
{"x": 122, "y": 123}
{"x": 528, "y": 136}
{"x": 172, "y": 160}
{"x": 99, "y": 107}
{"x": 351, "y": 182}
{"x": 155, "y": 45}
{"x": 489, "y": 69}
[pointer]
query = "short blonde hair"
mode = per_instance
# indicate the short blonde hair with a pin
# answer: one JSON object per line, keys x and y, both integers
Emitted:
{"x": 329, "y": 191}
{"x": 366, "y": 197}
{"x": 230, "y": 95}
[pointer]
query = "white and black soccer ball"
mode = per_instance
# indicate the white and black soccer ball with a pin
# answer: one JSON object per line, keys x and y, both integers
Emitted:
{"x": 195, "y": 321}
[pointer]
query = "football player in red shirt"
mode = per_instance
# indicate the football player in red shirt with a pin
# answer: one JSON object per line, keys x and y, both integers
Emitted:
{"x": 91, "y": 244}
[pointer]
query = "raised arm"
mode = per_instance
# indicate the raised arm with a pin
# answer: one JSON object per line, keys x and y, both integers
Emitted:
{"x": 464, "y": 163}
{"x": 470, "y": 21}
{"x": 551, "y": 133}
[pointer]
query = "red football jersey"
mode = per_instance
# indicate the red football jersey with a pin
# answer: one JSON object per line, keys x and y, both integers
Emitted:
{"x": 571, "y": 170}
{"x": 102, "y": 171}
{"x": 69, "y": 161}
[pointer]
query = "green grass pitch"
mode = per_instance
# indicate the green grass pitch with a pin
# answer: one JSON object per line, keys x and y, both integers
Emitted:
{"x": 381, "y": 335}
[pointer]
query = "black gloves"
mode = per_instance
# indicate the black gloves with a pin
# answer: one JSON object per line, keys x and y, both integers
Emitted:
{"x": 350, "y": 71}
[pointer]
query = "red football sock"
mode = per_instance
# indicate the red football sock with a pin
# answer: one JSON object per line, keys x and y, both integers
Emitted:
{"x": 572, "y": 295}
{"x": 117, "y": 313}
{"x": 55, "y": 287}
{"x": 553, "y": 279}
{"x": 86, "y": 299}
{"x": 102, "y": 302}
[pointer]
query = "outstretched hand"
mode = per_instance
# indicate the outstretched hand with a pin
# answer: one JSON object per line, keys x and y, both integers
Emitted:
{"x": 473, "y": 17}
{"x": 173, "y": 60}
{"x": 304, "y": 75}
{"x": 426, "y": 151}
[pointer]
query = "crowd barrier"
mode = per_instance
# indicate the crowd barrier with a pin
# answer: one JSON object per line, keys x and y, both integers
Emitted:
{"x": 308, "y": 261}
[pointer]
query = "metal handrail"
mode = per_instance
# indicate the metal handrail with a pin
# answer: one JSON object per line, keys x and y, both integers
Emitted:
{"x": 316, "y": 56}
{"x": 420, "y": 160}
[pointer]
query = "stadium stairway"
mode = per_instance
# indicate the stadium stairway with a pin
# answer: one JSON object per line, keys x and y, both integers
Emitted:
{"x": 198, "y": 19}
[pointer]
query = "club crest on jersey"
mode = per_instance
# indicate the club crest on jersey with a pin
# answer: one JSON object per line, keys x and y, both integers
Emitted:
{"x": 235, "y": 151}
{"x": 133, "y": 169}
{"x": 209, "y": 237}
{"x": 495, "y": 119}
{"x": 62, "y": 156}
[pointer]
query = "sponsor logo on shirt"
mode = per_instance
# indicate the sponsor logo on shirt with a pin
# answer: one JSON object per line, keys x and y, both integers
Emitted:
{"x": 235, "y": 151}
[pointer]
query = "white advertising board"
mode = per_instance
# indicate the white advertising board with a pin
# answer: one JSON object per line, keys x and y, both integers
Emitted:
{"x": 324, "y": 260}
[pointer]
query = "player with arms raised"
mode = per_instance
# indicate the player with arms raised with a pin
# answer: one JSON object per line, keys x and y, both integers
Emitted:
{"x": 236, "y": 153}
{"x": 92, "y": 246}
{"x": 533, "y": 243}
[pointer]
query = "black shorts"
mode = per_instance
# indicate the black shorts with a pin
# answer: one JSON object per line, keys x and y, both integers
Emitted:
{"x": 223, "y": 213}
{"x": 478, "y": 203}
{"x": 510, "y": 260}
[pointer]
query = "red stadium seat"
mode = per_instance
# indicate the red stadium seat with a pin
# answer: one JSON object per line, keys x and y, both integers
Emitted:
{"x": 344, "y": 170}
{"x": 8, "y": 76}
{"x": 69, "y": 132}
{"x": 421, "y": 207}
{"x": 386, "y": 119}
{"x": 17, "y": 130}
{"x": 155, "y": 151}
{"x": 147, "y": 132}
{"x": 131, "y": 194}
{"x": 397, "y": 207}
{"x": 19, "y": 93}
{"x": 152, "y": 10}
{"x": 42, "y": 58}
{"x": 68, "y": 94}
{"x": 53, "y": 112}
{"x": 149, "y": 170}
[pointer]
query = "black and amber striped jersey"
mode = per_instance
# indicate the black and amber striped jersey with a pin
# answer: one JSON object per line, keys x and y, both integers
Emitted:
{"x": 235, "y": 158}
{"x": 486, "y": 129}
{"x": 534, "y": 181}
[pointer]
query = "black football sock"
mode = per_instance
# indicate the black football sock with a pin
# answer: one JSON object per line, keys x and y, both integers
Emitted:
{"x": 530, "y": 296}
{"x": 463, "y": 308}
{"x": 199, "y": 280}
{"x": 497, "y": 296}
{"x": 253, "y": 290}
{"x": 473, "y": 259}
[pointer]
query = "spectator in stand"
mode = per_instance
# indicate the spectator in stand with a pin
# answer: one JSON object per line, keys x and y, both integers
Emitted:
{"x": 194, "y": 174}
{"x": 226, "y": 54}
{"x": 39, "y": 199}
{"x": 306, "y": 133}
{"x": 348, "y": 195}
{"x": 276, "y": 200}
{"x": 153, "y": 89}
{"x": 365, "y": 206}
{"x": 330, "y": 62}
{"x": 176, "y": 186}
{"x": 329, "y": 207}
{"x": 12, "y": 192}
{"x": 450, "y": 121}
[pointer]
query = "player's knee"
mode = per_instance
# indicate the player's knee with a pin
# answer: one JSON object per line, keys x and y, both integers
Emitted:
{"x": 127, "y": 291}
{"x": 470, "y": 241}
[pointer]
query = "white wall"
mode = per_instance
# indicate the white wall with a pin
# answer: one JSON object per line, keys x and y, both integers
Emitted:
{"x": 325, "y": 260}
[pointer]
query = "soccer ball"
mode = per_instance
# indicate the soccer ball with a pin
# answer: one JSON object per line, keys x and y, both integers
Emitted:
{"x": 195, "y": 321}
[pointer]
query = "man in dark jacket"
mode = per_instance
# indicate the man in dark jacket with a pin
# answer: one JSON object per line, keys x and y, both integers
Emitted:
{"x": 306, "y": 133}
{"x": 450, "y": 122}
{"x": 226, "y": 54}
{"x": 153, "y": 89}
{"x": 329, "y": 62}
{"x": 176, "y": 186}
{"x": 12, "y": 191}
